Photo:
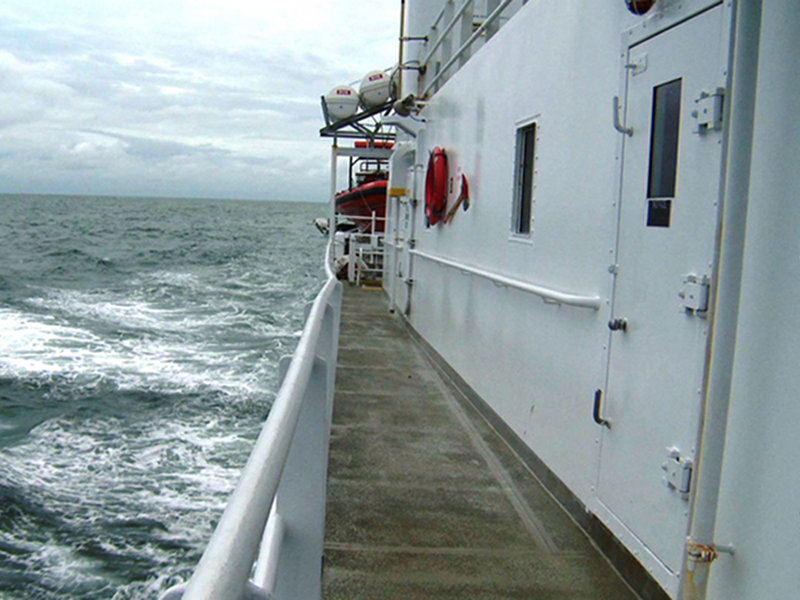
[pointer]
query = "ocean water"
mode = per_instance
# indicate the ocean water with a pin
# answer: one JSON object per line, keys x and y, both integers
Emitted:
{"x": 139, "y": 342}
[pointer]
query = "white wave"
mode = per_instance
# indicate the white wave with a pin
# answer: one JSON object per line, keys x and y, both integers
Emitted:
{"x": 129, "y": 313}
{"x": 136, "y": 313}
{"x": 176, "y": 278}
{"x": 96, "y": 474}
{"x": 39, "y": 347}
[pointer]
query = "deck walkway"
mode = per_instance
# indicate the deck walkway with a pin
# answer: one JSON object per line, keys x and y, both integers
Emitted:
{"x": 424, "y": 499}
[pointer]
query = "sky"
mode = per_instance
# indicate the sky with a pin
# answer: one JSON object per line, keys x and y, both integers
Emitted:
{"x": 186, "y": 98}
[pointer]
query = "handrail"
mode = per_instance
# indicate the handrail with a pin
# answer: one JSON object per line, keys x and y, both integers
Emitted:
{"x": 439, "y": 16}
{"x": 547, "y": 294}
{"x": 440, "y": 38}
{"x": 495, "y": 14}
{"x": 224, "y": 569}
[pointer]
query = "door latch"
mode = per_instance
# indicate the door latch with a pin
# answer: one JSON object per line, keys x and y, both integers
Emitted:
{"x": 678, "y": 472}
{"x": 694, "y": 293}
{"x": 618, "y": 324}
{"x": 709, "y": 111}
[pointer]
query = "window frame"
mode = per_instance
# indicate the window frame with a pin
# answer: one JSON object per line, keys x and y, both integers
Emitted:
{"x": 665, "y": 135}
{"x": 525, "y": 164}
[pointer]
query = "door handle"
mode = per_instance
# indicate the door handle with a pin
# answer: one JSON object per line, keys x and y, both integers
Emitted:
{"x": 597, "y": 410}
{"x": 617, "y": 122}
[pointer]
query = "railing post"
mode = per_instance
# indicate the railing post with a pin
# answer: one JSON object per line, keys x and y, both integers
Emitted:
{"x": 330, "y": 330}
{"x": 266, "y": 571}
{"x": 491, "y": 29}
{"x": 300, "y": 500}
{"x": 351, "y": 260}
{"x": 465, "y": 32}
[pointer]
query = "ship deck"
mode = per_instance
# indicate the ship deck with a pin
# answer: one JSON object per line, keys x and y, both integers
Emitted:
{"x": 425, "y": 500}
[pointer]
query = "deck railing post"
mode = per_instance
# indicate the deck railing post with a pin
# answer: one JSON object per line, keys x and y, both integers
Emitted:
{"x": 351, "y": 260}
{"x": 330, "y": 331}
{"x": 300, "y": 500}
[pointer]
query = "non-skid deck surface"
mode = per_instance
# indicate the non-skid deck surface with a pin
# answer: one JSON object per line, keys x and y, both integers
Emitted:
{"x": 424, "y": 499}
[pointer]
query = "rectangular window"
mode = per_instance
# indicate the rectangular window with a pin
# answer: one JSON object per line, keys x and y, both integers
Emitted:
{"x": 522, "y": 215}
{"x": 664, "y": 140}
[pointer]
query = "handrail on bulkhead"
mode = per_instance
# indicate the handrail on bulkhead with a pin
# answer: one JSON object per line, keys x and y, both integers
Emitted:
{"x": 278, "y": 503}
{"x": 547, "y": 294}
{"x": 448, "y": 28}
{"x": 476, "y": 34}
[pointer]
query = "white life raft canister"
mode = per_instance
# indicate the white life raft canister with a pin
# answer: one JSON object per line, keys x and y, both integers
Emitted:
{"x": 342, "y": 102}
{"x": 375, "y": 89}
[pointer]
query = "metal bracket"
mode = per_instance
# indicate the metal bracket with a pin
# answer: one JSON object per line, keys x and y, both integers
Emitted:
{"x": 617, "y": 123}
{"x": 637, "y": 64}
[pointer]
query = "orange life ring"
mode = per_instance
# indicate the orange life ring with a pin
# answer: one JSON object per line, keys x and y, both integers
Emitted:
{"x": 436, "y": 186}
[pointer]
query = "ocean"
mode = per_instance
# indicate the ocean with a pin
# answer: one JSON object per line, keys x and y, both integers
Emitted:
{"x": 139, "y": 343}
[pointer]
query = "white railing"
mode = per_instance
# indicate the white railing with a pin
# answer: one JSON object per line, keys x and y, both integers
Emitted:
{"x": 545, "y": 293}
{"x": 463, "y": 28}
{"x": 369, "y": 259}
{"x": 273, "y": 525}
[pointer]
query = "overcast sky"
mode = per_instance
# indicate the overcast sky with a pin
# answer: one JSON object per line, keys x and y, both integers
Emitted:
{"x": 207, "y": 98}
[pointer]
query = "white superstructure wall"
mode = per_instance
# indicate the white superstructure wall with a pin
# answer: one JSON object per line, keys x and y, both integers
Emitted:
{"x": 758, "y": 511}
{"x": 555, "y": 63}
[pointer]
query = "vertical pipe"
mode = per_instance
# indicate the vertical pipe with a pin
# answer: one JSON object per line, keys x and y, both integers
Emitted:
{"x": 332, "y": 202}
{"x": 412, "y": 240}
{"x": 390, "y": 266}
{"x": 739, "y": 115}
{"x": 301, "y": 498}
{"x": 400, "y": 58}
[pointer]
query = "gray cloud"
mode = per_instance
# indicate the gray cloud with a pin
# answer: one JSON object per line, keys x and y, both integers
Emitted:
{"x": 108, "y": 100}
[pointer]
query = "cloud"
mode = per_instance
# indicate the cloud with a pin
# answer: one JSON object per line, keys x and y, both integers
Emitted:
{"x": 179, "y": 98}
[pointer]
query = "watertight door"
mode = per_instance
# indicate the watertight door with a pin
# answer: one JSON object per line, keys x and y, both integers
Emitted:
{"x": 659, "y": 321}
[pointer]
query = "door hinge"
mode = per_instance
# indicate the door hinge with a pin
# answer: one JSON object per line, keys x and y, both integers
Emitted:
{"x": 678, "y": 472}
{"x": 709, "y": 111}
{"x": 694, "y": 293}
